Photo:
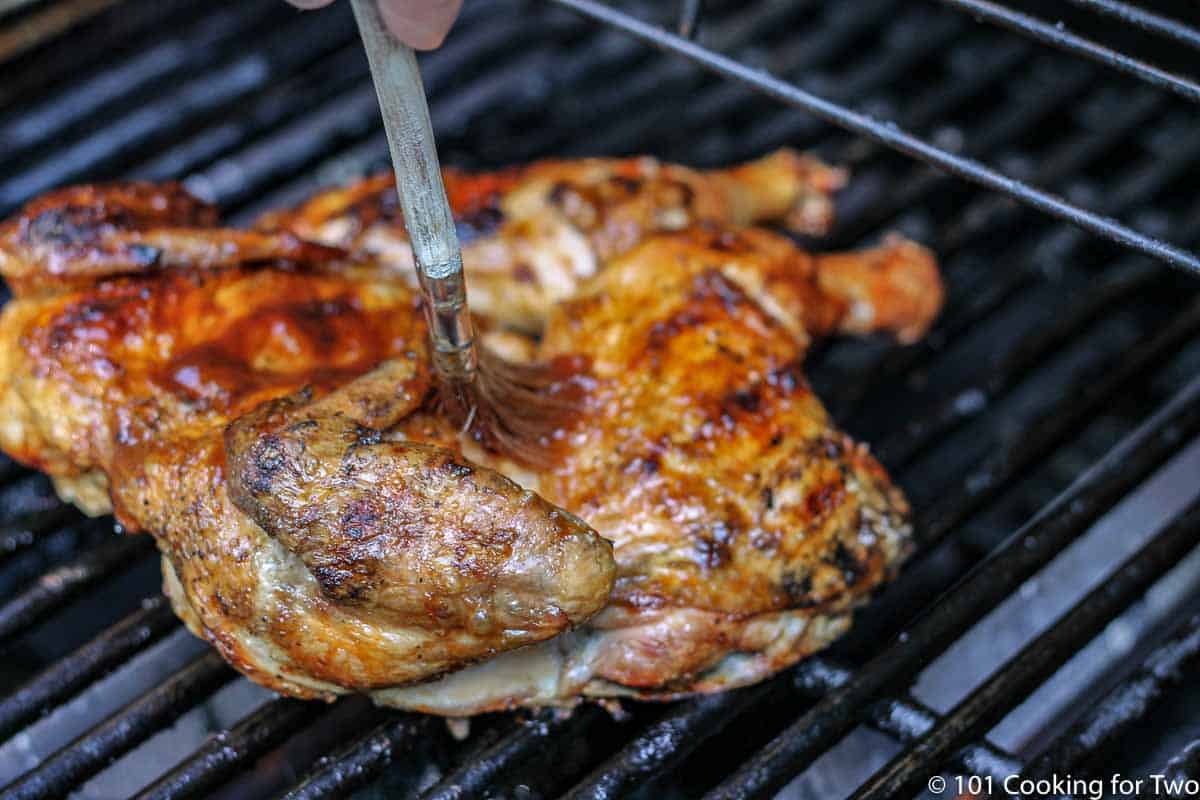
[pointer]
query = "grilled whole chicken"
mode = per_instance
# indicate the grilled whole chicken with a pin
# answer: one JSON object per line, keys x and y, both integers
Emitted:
{"x": 261, "y": 404}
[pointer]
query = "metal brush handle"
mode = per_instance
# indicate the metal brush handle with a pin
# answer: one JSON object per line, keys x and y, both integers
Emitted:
{"x": 427, "y": 214}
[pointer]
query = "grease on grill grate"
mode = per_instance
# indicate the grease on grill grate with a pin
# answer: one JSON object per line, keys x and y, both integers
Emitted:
{"x": 1061, "y": 364}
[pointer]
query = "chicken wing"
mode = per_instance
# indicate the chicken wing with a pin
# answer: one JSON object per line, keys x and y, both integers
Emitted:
{"x": 262, "y": 406}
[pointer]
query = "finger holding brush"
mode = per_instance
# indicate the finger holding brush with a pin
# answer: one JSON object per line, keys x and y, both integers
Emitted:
{"x": 420, "y": 24}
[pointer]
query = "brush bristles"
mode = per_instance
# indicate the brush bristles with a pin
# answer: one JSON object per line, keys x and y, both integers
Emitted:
{"x": 522, "y": 411}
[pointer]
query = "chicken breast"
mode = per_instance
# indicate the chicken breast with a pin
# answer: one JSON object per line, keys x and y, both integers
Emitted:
{"x": 262, "y": 405}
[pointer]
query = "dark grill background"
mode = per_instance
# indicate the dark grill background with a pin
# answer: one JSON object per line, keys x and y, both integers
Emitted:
{"x": 1053, "y": 349}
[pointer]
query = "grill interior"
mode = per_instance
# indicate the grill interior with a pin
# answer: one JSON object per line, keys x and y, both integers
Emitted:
{"x": 1051, "y": 417}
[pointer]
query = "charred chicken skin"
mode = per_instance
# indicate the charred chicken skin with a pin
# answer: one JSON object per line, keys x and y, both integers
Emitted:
{"x": 260, "y": 402}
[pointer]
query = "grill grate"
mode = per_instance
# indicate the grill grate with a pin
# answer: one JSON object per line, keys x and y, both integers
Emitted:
{"x": 891, "y": 135}
{"x": 256, "y": 106}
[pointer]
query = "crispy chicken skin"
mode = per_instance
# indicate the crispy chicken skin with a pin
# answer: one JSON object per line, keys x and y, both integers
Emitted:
{"x": 75, "y": 236}
{"x": 531, "y": 234}
{"x": 266, "y": 412}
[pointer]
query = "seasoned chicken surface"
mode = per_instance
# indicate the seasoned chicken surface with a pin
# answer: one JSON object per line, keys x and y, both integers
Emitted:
{"x": 262, "y": 404}
{"x": 531, "y": 235}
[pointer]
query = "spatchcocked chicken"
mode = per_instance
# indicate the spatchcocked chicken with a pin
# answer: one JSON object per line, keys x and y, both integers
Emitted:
{"x": 260, "y": 401}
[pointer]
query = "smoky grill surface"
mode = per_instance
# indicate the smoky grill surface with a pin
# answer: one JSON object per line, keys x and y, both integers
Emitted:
{"x": 1054, "y": 409}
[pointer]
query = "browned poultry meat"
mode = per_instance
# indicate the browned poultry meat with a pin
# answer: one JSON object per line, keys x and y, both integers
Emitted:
{"x": 261, "y": 404}
{"x": 530, "y": 235}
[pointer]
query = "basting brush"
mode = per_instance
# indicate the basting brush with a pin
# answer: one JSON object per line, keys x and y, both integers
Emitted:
{"x": 516, "y": 409}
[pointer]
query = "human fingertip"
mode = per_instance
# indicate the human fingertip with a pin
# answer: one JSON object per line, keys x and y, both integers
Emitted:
{"x": 421, "y": 24}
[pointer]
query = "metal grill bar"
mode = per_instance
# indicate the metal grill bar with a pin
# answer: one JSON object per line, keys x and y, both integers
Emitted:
{"x": 1014, "y": 122}
{"x": 682, "y": 730}
{"x": 986, "y": 216}
{"x": 123, "y": 731}
{"x": 581, "y": 135}
{"x": 822, "y": 47}
{"x": 23, "y": 533}
{"x": 786, "y": 127}
{"x": 902, "y": 448}
{"x": 68, "y": 676}
{"x": 227, "y": 752}
{"x": 34, "y": 126}
{"x": 917, "y": 434}
{"x": 191, "y": 100}
{"x": 1146, "y": 20}
{"x": 1184, "y": 766}
{"x": 355, "y": 765}
{"x": 1027, "y": 550}
{"x": 1129, "y": 702}
{"x": 668, "y": 740}
{"x": 904, "y": 718}
{"x": 1061, "y": 38}
{"x": 1037, "y": 661}
{"x": 891, "y": 135}
{"x": 90, "y": 44}
{"x": 59, "y": 586}
{"x": 1083, "y": 398}
{"x": 479, "y": 776}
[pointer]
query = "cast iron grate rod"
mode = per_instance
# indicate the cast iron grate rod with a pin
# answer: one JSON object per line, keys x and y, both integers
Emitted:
{"x": 990, "y": 582}
{"x": 69, "y": 675}
{"x": 197, "y": 47}
{"x": 1002, "y": 131}
{"x": 1167, "y": 666}
{"x": 821, "y": 48}
{"x": 64, "y": 583}
{"x": 891, "y": 135}
{"x": 1086, "y": 395}
{"x": 359, "y": 762}
{"x": 984, "y": 216}
{"x": 1004, "y": 374}
{"x": 967, "y": 402}
{"x": 23, "y": 532}
{"x": 194, "y": 99}
{"x": 90, "y": 46}
{"x": 1183, "y": 767}
{"x": 57, "y": 775}
{"x": 1037, "y": 661}
{"x": 666, "y": 742}
{"x": 1059, "y": 37}
{"x": 226, "y": 753}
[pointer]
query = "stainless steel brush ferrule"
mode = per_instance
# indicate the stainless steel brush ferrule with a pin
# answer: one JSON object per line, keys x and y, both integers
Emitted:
{"x": 427, "y": 215}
